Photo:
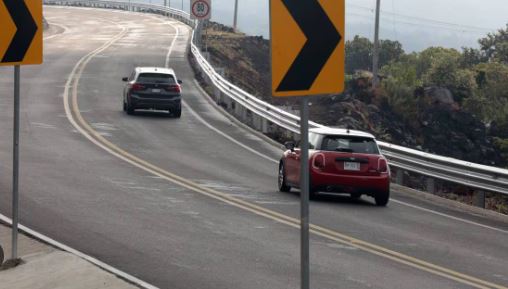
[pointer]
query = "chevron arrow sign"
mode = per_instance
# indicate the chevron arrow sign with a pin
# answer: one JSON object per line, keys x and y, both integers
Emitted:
{"x": 307, "y": 43}
{"x": 20, "y": 32}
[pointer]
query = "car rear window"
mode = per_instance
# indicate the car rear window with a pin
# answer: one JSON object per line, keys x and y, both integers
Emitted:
{"x": 350, "y": 144}
{"x": 156, "y": 78}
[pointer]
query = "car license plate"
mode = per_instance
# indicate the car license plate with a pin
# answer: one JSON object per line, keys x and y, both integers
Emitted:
{"x": 351, "y": 166}
{"x": 156, "y": 90}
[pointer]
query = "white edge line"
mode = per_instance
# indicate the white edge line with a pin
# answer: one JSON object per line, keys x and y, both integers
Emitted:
{"x": 450, "y": 217}
{"x": 65, "y": 30}
{"x": 196, "y": 115}
{"x": 131, "y": 279}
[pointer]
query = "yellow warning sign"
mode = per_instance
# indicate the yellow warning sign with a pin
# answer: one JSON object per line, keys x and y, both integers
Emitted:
{"x": 21, "y": 32}
{"x": 307, "y": 42}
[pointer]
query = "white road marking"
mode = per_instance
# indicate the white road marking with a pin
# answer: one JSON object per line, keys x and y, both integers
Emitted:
{"x": 187, "y": 107}
{"x": 144, "y": 189}
{"x": 43, "y": 125}
{"x": 449, "y": 216}
{"x": 65, "y": 30}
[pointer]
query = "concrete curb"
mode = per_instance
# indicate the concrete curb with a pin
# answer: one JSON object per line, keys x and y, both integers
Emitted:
{"x": 42, "y": 238}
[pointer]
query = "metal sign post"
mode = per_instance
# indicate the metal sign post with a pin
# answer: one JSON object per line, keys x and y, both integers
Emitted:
{"x": 307, "y": 55}
{"x": 304, "y": 194}
{"x": 15, "y": 165}
{"x": 21, "y": 45}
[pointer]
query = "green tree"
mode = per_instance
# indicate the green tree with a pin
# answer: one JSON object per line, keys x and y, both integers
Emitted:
{"x": 390, "y": 51}
{"x": 471, "y": 57}
{"x": 359, "y": 53}
{"x": 495, "y": 45}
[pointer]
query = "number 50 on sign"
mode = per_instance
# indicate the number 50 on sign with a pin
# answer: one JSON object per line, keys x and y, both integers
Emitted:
{"x": 201, "y": 9}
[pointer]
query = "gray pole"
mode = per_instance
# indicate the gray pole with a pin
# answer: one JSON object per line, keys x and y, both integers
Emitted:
{"x": 206, "y": 36}
{"x": 375, "y": 60}
{"x": 236, "y": 15}
{"x": 304, "y": 193}
{"x": 15, "y": 165}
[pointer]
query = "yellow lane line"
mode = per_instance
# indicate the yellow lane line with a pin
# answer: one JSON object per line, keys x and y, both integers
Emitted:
{"x": 84, "y": 128}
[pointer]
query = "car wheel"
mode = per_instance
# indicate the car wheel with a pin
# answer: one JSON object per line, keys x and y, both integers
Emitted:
{"x": 283, "y": 187}
{"x": 129, "y": 109}
{"x": 177, "y": 113}
{"x": 124, "y": 106}
{"x": 382, "y": 198}
{"x": 313, "y": 194}
{"x": 356, "y": 196}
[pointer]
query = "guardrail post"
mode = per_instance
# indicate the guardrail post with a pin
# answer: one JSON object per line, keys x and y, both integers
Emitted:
{"x": 216, "y": 94}
{"x": 479, "y": 199}
{"x": 264, "y": 125}
{"x": 256, "y": 122}
{"x": 399, "y": 177}
{"x": 431, "y": 185}
{"x": 1, "y": 255}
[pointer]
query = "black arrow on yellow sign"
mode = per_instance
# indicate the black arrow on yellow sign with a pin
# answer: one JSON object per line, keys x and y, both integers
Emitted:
{"x": 25, "y": 33}
{"x": 322, "y": 39}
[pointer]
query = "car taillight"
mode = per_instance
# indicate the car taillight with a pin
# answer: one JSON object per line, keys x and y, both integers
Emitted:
{"x": 137, "y": 86}
{"x": 319, "y": 161}
{"x": 173, "y": 88}
{"x": 382, "y": 165}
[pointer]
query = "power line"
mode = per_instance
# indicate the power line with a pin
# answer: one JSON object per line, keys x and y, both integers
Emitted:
{"x": 419, "y": 24}
{"x": 427, "y": 20}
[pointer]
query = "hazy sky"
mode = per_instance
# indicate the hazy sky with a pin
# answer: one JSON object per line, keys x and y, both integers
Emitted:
{"x": 416, "y": 23}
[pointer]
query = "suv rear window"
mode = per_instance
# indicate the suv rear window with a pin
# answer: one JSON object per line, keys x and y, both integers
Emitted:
{"x": 350, "y": 144}
{"x": 156, "y": 78}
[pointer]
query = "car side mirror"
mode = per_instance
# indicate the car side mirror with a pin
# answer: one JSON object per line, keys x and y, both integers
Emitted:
{"x": 289, "y": 145}
{"x": 125, "y": 79}
{"x": 179, "y": 81}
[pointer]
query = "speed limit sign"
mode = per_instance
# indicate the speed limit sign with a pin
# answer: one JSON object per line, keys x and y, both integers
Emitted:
{"x": 201, "y": 9}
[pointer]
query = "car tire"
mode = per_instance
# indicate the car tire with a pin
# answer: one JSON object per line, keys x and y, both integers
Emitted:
{"x": 129, "y": 109}
{"x": 177, "y": 113}
{"x": 313, "y": 194}
{"x": 281, "y": 180}
{"x": 124, "y": 106}
{"x": 382, "y": 198}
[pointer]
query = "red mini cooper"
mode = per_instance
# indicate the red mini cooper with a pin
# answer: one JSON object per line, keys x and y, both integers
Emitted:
{"x": 340, "y": 161}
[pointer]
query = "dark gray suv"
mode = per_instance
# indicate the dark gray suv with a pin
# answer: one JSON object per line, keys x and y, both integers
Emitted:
{"x": 152, "y": 88}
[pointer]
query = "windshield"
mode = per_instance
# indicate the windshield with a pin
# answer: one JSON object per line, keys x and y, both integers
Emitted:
{"x": 350, "y": 144}
{"x": 156, "y": 78}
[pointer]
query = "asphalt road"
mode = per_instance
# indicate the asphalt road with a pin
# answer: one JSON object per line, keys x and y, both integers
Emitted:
{"x": 181, "y": 203}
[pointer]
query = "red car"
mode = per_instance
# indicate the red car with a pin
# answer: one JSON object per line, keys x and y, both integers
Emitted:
{"x": 340, "y": 161}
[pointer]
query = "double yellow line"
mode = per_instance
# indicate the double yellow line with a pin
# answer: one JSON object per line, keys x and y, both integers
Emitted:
{"x": 76, "y": 119}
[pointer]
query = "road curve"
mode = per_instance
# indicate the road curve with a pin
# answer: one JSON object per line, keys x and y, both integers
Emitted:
{"x": 179, "y": 205}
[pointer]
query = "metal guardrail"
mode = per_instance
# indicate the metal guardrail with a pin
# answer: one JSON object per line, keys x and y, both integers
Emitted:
{"x": 246, "y": 106}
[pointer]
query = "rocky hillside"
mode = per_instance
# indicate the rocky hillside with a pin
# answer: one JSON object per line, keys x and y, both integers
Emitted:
{"x": 244, "y": 58}
{"x": 431, "y": 121}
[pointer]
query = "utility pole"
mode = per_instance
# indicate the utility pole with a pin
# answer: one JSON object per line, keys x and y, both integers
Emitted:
{"x": 375, "y": 60}
{"x": 236, "y": 15}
